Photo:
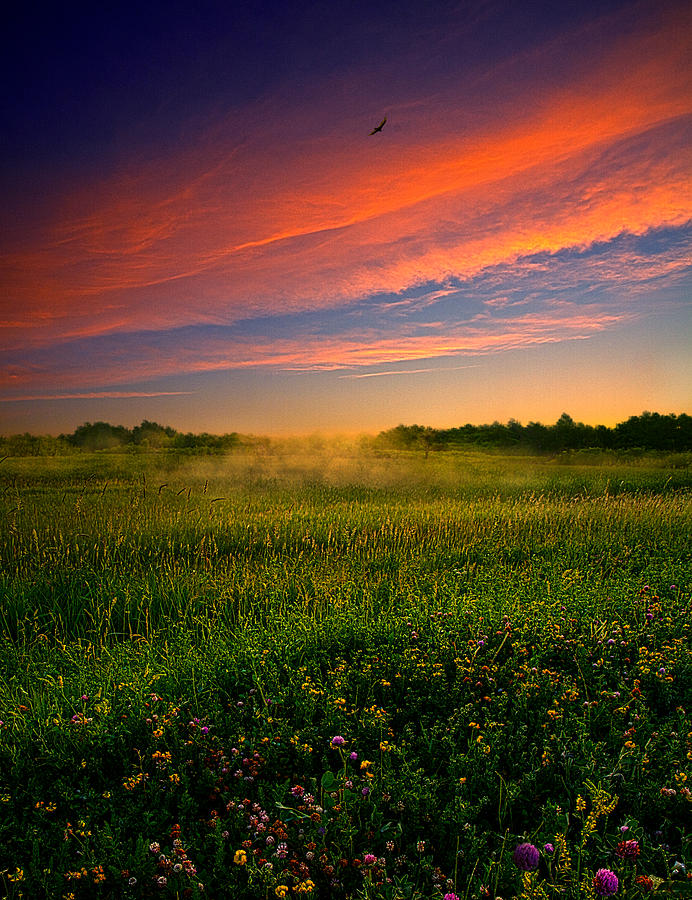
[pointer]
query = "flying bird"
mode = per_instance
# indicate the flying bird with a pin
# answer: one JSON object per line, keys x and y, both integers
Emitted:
{"x": 379, "y": 127}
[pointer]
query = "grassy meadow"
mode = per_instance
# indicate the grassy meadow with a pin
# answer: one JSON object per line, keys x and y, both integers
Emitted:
{"x": 347, "y": 675}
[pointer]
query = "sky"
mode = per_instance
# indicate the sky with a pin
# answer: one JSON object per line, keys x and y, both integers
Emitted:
{"x": 198, "y": 228}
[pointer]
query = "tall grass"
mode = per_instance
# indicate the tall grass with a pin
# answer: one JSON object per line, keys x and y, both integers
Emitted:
{"x": 284, "y": 599}
{"x": 140, "y": 550}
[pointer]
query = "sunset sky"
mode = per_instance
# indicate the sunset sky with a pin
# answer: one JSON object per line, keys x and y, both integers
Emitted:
{"x": 197, "y": 227}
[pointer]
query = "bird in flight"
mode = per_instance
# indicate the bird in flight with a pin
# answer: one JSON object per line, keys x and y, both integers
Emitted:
{"x": 379, "y": 127}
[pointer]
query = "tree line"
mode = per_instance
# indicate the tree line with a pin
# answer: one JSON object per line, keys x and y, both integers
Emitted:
{"x": 103, "y": 436}
{"x": 649, "y": 431}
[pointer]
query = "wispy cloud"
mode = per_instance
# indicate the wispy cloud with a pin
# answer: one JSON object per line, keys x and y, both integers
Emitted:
{"x": 95, "y": 395}
{"x": 408, "y": 371}
{"x": 108, "y": 360}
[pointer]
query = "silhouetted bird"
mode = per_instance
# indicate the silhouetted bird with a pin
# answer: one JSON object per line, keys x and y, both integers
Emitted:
{"x": 379, "y": 127}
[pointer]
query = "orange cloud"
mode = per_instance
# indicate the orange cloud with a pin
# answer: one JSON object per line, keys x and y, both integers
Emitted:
{"x": 279, "y": 222}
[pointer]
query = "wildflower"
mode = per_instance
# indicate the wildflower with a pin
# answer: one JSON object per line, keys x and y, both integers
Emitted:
{"x": 628, "y": 849}
{"x": 154, "y": 846}
{"x": 605, "y": 883}
{"x": 420, "y": 846}
{"x": 526, "y": 857}
{"x": 549, "y": 848}
{"x": 369, "y": 859}
{"x": 644, "y": 882}
{"x": 240, "y": 857}
{"x": 337, "y": 741}
{"x": 281, "y": 891}
{"x": 450, "y": 896}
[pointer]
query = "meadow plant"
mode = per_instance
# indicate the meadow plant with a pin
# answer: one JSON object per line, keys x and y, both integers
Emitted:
{"x": 416, "y": 689}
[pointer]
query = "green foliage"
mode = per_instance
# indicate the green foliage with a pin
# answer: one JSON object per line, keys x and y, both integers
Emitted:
{"x": 650, "y": 431}
{"x": 502, "y": 644}
{"x": 665, "y": 434}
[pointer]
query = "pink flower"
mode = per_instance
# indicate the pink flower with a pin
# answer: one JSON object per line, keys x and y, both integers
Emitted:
{"x": 628, "y": 849}
{"x": 605, "y": 883}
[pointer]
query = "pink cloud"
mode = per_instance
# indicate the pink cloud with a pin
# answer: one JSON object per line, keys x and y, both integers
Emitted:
{"x": 479, "y": 336}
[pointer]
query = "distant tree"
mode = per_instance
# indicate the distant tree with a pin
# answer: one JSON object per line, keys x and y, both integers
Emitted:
{"x": 410, "y": 437}
{"x": 537, "y": 437}
{"x": 151, "y": 434}
{"x": 32, "y": 445}
{"x": 604, "y": 437}
{"x": 99, "y": 436}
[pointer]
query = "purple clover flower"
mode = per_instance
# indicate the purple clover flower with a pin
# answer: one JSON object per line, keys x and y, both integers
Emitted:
{"x": 526, "y": 857}
{"x": 605, "y": 883}
{"x": 338, "y": 741}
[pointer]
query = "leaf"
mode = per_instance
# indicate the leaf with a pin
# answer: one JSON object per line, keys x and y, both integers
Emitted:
{"x": 329, "y": 782}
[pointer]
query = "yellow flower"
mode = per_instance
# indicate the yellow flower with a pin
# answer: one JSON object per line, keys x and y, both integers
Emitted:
{"x": 580, "y": 804}
{"x": 281, "y": 890}
{"x": 240, "y": 857}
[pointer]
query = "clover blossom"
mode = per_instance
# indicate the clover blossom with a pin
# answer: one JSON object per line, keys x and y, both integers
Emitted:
{"x": 605, "y": 883}
{"x": 526, "y": 857}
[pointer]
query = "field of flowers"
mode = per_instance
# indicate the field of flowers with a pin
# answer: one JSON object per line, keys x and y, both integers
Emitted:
{"x": 378, "y": 677}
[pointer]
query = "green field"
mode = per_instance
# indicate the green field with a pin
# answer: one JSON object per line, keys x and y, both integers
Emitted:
{"x": 503, "y": 643}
